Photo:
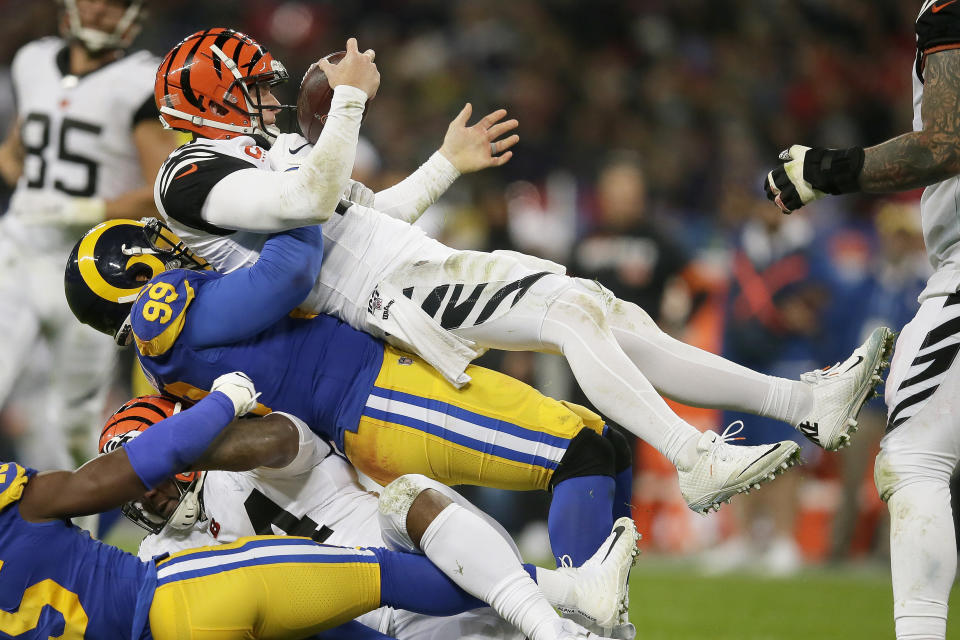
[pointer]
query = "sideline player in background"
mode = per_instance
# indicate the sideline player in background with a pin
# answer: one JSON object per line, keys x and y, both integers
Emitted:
{"x": 272, "y": 475}
{"x": 278, "y": 588}
{"x": 86, "y": 146}
{"x": 921, "y": 448}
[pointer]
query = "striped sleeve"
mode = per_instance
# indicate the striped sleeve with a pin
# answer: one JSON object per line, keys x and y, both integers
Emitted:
{"x": 185, "y": 181}
{"x": 938, "y": 26}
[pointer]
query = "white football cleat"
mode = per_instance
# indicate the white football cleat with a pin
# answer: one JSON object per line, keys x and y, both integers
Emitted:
{"x": 603, "y": 580}
{"x": 570, "y": 630}
{"x": 623, "y": 631}
{"x": 840, "y": 391}
{"x": 723, "y": 470}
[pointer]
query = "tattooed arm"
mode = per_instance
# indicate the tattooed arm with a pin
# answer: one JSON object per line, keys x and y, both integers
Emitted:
{"x": 922, "y": 158}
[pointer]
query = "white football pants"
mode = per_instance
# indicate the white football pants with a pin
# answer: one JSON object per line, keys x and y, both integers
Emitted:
{"x": 621, "y": 358}
{"x": 918, "y": 455}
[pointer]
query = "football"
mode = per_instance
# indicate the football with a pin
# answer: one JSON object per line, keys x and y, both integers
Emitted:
{"x": 313, "y": 102}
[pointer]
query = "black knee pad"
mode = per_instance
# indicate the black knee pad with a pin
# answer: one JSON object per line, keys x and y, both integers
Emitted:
{"x": 589, "y": 454}
{"x": 622, "y": 451}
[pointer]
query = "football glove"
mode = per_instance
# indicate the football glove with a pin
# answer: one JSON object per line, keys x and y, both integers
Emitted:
{"x": 808, "y": 174}
{"x": 239, "y": 388}
{"x": 52, "y": 208}
{"x": 359, "y": 193}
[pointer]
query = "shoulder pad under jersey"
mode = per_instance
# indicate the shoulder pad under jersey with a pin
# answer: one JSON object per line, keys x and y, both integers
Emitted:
{"x": 159, "y": 312}
{"x": 13, "y": 478}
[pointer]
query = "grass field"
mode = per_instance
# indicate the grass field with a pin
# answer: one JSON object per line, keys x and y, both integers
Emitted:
{"x": 671, "y": 601}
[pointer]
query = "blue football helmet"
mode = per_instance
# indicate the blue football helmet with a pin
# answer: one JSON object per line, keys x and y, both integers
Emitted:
{"x": 110, "y": 264}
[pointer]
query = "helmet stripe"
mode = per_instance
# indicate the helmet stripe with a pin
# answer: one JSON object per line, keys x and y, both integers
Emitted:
{"x": 88, "y": 267}
{"x": 220, "y": 42}
{"x": 185, "y": 74}
{"x": 166, "y": 72}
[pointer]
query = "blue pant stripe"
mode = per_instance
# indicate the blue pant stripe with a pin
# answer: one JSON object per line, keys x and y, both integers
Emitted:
{"x": 456, "y": 438}
{"x": 292, "y": 558}
{"x": 472, "y": 417}
{"x": 252, "y": 544}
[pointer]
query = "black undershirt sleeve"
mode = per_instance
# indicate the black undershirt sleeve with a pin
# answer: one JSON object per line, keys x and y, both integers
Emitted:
{"x": 186, "y": 181}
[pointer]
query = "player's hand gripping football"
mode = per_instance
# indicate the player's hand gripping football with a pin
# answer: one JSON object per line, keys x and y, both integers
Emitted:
{"x": 355, "y": 69}
{"x": 239, "y": 388}
{"x": 472, "y": 148}
{"x": 809, "y": 174}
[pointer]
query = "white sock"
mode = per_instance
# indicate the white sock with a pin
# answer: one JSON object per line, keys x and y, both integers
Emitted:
{"x": 787, "y": 400}
{"x": 558, "y": 588}
{"x": 609, "y": 379}
{"x": 480, "y": 562}
{"x": 923, "y": 559}
{"x": 699, "y": 378}
{"x": 519, "y": 602}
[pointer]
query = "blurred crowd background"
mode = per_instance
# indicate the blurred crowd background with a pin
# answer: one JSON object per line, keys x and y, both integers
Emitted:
{"x": 646, "y": 128}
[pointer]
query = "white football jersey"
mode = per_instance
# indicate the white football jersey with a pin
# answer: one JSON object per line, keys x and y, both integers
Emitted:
{"x": 317, "y": 496}
{"x": 360, "y": 244}
{"x": 76, "y": 130}
{"x": 938, "y": 27}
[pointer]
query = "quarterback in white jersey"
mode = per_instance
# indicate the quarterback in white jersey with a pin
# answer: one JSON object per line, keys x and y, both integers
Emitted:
{"x": 385, "y": 276}
{"x": 921, "y": 448}
{"x": 285, "y": 480}
{"x": 85, "y": 146}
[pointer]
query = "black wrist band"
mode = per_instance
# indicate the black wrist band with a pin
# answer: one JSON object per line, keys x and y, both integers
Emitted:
{"x": 834, "y": 171}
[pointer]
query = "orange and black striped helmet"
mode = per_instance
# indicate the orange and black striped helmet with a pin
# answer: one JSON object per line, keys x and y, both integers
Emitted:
{"x": 128, "y": 422}
{"x": 203, "y": 85}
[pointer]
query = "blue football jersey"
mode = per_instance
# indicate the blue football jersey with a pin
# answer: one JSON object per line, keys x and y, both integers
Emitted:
{"x": 318, "y": 368}
{"x": 55, "y": 581}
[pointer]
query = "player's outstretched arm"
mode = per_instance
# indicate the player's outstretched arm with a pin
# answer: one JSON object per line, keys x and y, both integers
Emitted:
{"x": 922, "y": 158}
{"x": 485, "y": 144}
{"x": 466, "y": 148}
{"x": 248, "y": 300}
{"x": 271, "y": 441}
{"x": 125, "y": 474}
{"x": 912, "y": 160}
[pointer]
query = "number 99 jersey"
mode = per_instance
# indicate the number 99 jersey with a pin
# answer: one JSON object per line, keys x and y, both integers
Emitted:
{"x": 76, "y": 130}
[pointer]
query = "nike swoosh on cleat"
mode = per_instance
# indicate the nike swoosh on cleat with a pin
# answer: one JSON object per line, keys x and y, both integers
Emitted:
{"x": 768, "y": 452}
{"x": 619, "y": 532}
{"x": 937, "y": 7}
{"x": 859, "y": 360}
{"x": 294, "y": 152}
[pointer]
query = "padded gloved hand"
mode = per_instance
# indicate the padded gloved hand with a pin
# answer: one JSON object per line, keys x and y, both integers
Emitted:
{"x": 239, "y": 388}
{"x": 52, "y": 208}
{"x": 359, "y": 193}
{"x": 808, "y": 174}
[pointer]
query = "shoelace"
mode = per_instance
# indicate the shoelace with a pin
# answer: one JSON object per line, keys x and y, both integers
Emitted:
{"x": 726, "y": 438}
{"x": 818, "y": 374}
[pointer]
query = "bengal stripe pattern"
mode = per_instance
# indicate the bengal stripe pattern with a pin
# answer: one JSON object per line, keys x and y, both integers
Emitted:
{"x": 197, "y": 151}
{"x": 929, "y": 367}
{"x": 479, "y": 305}
{"x": 192, "y": 77}
{"x": 138, "y": 414}
{"x": 186, "y": 179}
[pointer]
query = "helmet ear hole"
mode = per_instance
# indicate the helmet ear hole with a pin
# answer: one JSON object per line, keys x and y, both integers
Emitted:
{"x": 218, "y": 109}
